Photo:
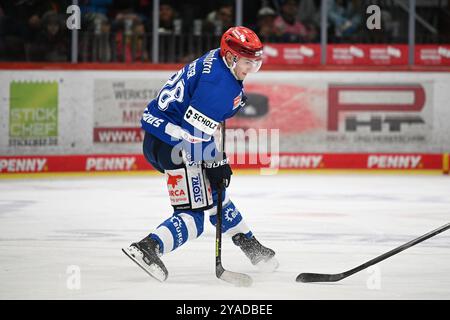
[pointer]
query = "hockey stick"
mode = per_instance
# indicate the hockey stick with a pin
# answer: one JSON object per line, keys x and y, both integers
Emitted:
{"x": 319, "y": 277}
{"x": 238, "y": 279}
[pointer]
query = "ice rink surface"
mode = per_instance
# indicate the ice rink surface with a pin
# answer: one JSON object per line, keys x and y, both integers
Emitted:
{"x": 52, "y": 228}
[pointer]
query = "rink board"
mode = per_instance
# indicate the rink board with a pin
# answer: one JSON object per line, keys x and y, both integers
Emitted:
{"x": 86, "y": 118}
{"x": 267, "y": 165}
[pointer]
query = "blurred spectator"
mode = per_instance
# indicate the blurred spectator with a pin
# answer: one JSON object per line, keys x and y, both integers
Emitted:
{"x": 308, "y": 12}
{"x": 266, "y": 24}
{"x": 51, "y": 44}
{"x": 167, "y": 16}
{"x": 144, "y": 9}
{"x": 289, "y": 28}
{"x": 250, "y": 11}
{"x": 11, "y": 43}
{"x": 220, "y": 20}
{"x": 19, "y": 24}
{"x": 123, "y": 15}
{"x": 130, "y": 40}
{"x": 344, "y": 16}
{"x": 95, "y": 41}
{"x": 129, "y": 33}
{"x": 168, "y": 19}
{"x": 95, "y": 6}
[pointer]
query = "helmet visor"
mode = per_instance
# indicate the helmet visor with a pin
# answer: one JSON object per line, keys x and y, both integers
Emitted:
{"x": 249, "y": 65}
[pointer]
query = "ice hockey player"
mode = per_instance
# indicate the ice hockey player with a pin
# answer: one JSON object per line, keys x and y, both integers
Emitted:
{"x": 179, "y": 125}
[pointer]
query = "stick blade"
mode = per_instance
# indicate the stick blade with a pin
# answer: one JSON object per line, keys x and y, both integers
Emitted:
{"x": 318, "y": 277}
{"x": 237, "y": 279}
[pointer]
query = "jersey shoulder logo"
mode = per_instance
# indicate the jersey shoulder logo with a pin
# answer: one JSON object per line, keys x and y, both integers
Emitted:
{"x": 237, "y": 101}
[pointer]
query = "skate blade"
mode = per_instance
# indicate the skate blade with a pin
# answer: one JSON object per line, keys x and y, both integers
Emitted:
{"x": 153, "y": 270}
{"x": 268, "y": 266}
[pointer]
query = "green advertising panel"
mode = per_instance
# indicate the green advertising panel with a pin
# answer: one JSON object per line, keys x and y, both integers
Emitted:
{"x": 33, "y": 115}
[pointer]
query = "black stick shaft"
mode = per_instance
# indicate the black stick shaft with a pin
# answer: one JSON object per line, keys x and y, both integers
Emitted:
{"x": 318, "y": 277}
{"x": 219, "y": 267}
{"x": 399, "y": 249}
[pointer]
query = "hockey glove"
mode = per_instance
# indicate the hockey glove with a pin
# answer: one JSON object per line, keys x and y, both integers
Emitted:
{"x": 218, "y": 171}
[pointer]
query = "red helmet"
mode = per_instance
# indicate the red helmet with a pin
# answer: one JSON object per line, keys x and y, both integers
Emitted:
{"x": 241, "y": 42}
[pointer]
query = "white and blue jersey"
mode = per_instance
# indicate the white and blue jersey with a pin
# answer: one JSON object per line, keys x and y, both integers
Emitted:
{"x": 191, "y": 105}
{"x": 187, "y": 112}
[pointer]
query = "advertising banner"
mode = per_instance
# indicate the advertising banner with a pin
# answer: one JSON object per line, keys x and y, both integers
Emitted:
{"x": 342, "y": 117}
{"x": 438, "y": 55}
{"x": 282, "y": 53}
{"x": 58, "y": 113}
{"x": 282, "y": 161}
{"x": 118, "y": 107}
{"x": 367, "y": 55}
{"x": 33, "y": 114}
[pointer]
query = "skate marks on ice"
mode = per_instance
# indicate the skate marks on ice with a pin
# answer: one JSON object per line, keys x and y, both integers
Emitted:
{"x": 12, "y": 206}
{"x": 307, "y": 220}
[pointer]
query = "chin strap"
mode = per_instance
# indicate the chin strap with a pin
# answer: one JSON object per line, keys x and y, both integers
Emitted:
{"x": 232, "y": 67}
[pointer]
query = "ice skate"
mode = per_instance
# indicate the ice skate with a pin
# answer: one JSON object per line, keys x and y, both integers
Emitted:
{"x": 145, "y": 254}
{"x": 261, "y": 257}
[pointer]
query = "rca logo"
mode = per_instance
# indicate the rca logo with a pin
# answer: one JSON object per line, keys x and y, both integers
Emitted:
{"x": 347, "y": 102}
{"x": 173, "y": 180}
{"x": 176, "y": 186}
{"x": 176, "y": 193}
